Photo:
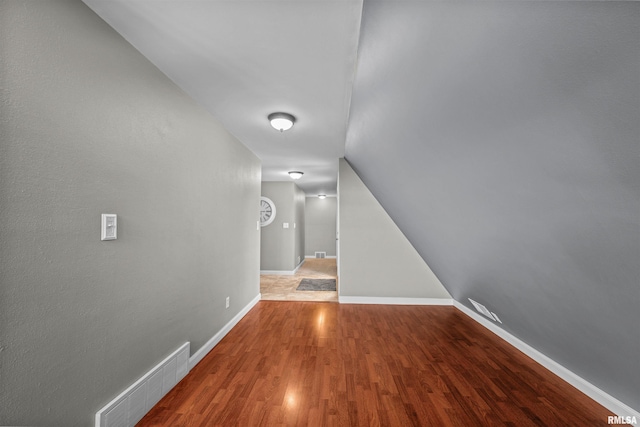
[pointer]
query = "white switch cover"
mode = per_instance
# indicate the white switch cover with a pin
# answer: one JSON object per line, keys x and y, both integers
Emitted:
{"x": 285, "y": 225}
{"x": 294, "y": 225}
{"x": 109, "y": 227}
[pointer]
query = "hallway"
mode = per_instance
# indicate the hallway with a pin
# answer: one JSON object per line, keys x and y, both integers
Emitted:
{"x": 283, "y": 288}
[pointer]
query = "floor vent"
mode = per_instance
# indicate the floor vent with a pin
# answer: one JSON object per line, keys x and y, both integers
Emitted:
{"x": 133, "y": 403}
{"x": 482, "y": 309}
{"x": 321, "y": 254}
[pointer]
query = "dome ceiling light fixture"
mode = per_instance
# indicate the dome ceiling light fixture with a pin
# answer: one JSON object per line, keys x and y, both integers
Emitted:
{"x": 296, "y": 174}
{"x": 281, "y": 121}
{"x": 322, "y": 196}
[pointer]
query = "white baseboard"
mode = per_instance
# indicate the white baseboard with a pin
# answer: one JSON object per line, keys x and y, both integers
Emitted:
{"x": 202, "y": 352}
{"x": 394, "y": 300}
{"x": 314, "y": 257}
{"x": 279, "y": 272}
{"x": 283, "y": 272}
{"x": 606, "y": 400}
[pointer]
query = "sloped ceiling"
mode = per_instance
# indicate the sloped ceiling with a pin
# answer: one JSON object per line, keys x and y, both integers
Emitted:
{"x": 245, "y": 59}
{"x": 504, "y": 140}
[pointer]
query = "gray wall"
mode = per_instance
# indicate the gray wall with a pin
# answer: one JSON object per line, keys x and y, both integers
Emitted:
{"x": 513, "y": 164}
{"x": 376, "y": 259}
{"x": 89, "y": 126}
{"x": 320, "y": 225}
{"x": 280, "y": 247}
{"x": 299, "y": 203}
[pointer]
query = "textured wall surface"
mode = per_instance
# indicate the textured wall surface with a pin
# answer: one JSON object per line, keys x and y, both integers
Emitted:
{"x": 376, "y": 259}
{"x": 512, "y": 164}
{"x": 320, "y": 225}
{"x": 89, "y": 126}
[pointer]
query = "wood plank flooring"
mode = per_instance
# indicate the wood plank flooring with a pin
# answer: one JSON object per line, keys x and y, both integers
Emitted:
{"x": 283, "y": 288}
{"x": 320, "y": 364}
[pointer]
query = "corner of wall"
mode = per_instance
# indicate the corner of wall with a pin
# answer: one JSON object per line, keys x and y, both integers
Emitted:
{"x": 376, "y": 259}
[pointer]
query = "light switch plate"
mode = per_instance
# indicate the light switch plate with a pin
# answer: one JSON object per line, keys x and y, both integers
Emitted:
{"x": 285, "y": 225}
{"x": 109, "y": 229}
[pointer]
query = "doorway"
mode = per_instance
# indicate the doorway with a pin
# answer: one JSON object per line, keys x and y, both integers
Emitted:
{"x": 283, "y": 288}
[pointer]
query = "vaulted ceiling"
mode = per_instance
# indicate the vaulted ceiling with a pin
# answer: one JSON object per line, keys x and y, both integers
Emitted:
{"x": 243, "y": 60}
{"x": 501, "y": 136}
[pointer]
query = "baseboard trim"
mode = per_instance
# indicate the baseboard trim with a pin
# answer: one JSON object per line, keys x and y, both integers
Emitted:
{"x": 202, "y": 352}
{"x": 283, "y": 272}
{"x": 614, "y": 405}
{"x": 314, "y": 257}
{"x": 394, "y": 300}
{"x": 278, "y": 272}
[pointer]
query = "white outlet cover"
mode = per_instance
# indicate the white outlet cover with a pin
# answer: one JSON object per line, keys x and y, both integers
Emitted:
{"x": 109, "y": 227}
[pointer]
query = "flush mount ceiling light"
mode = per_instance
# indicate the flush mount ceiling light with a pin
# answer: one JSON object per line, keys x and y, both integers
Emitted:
{"x": 322, "y": 196}
{"x": 296, "y": 174}
{"x": 281, "y": 121}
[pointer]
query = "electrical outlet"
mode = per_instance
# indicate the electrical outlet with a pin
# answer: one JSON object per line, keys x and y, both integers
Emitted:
{"x": 226, "y": 303}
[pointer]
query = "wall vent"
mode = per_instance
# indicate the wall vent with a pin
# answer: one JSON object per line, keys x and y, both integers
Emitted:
{"x": 482, "y": 309}
{"x": 133, "y": 403}
{"x": 495, "y": 316}
{"x": 321, "y": 254}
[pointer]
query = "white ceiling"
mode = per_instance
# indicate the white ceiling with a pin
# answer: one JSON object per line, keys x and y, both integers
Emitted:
{"x": 243, "y": 60}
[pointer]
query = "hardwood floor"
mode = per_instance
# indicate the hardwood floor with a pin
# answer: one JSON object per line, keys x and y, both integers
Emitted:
{"x": 283, "y": 288}
{"x": 318, "y": 364}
